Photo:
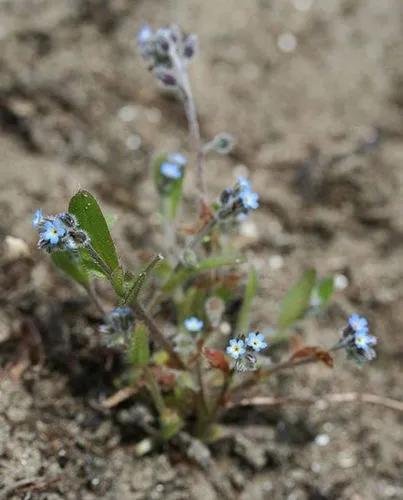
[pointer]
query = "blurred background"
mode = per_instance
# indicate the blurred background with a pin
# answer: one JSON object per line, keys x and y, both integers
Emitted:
{"x": 313, "y": 92}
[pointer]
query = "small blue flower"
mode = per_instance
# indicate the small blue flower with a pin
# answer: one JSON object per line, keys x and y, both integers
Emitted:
{"x": 358, "y": 323}
{"x": 193, "y": 324}
{"x": 236, "y": 348}
{"x": 256, "y": 341}
{"x": 364, "y": 341}
{"x": 249, "y": 199}
{"x": 171, "y": 170}
{"x": 357, "y": 341}
{"x": 52, "y": 231}
{"x": 37, "y": 218}
{"x": 144, "y": 35}
{"x": 178, "y": 158}
{"x": 244, "y": 183}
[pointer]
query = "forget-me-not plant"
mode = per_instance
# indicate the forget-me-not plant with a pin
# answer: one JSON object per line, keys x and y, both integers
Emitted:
{"x": 191, "y": 379}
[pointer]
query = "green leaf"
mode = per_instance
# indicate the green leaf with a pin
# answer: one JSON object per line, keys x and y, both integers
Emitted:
{"x": 134, "y": 286}
{"x": 140, "y": 350}
{"x": 110, "y": 220}
{"x": 325, "y": 289}
{"x": 72, "y": 265}
{"x": 185, "y": 273}
{"x": 90, "y": 218}
{"x": 297, "y": 300}
{"x": 171, "y": 423}
{"x": 250, "y": 292}
{"x": 118, "y": 281}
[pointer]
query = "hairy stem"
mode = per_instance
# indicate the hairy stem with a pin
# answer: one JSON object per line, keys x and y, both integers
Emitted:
{"x": 282, "y": 365}
{"x": 192, "y": 244}
{"x": 90, "y": 289}
{"x": 191, "y": 115}
{"x": 157, "y": 335}
{"x": 154, "y": 390}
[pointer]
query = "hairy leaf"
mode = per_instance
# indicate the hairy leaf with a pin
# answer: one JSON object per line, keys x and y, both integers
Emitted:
{"x": 140, "y": 350}
{"x": 249, "y": 295}
{"x": 72, "y": 266}
{"x": 186, "y": 273}
{"x": 297, "y": 300}
{"x": 89, "y": 215}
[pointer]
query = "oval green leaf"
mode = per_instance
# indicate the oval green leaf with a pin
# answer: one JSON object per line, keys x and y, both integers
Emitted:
{"x": 90, "y": 218}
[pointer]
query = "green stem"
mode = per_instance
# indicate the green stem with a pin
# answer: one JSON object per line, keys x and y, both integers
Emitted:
{"x": 154, "y": 390}
{"x": 99, "y": 260}
{"x": 195, "y": 241}
{"x": 157, "y": 335}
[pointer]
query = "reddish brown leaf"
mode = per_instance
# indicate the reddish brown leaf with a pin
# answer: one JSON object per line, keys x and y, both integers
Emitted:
{"x": 216, "y": 359}
{"x": 296, "y": 343}
{"x": 325, "y": 357}
{"x": 165, "y": 377}
{"x": 303, "y": 352}
{"x": 313, "y": 351}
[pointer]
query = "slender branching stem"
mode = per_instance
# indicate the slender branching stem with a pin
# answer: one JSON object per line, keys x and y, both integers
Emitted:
{"x": 259, "y": 375}
{"x": 190, "y": 246}
{"x": 191, "y": 115}
{"x": 154, "y": 390}
{"x": 158, "y": 335}
{"x": 90, "y": 289}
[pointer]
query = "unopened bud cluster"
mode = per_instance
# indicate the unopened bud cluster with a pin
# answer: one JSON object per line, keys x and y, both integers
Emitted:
{"x": 159, "y": 49}
{"x": 118, "y": 326}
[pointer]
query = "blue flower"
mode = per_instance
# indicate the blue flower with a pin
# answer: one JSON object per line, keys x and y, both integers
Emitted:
{"x": 249, "y": 199}
{"x": 236, "y": 348}
{"x": 178, "y": 158}
{"x": 358, "y": 323}
{"x": 144, "y": 35}
{"x": 193, "y": 324}
{"x": 171, "y": 170}
{"x": 364, "y": 341}
{"x": 244, "y": 183}
{"x": 52, "y": 231}
{"x": 357, "y": 341}
{"x": 37, "y": 218}
{"x": 256, "y": 341}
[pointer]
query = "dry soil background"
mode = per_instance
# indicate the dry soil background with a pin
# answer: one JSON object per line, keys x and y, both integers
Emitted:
{"x": 301, "y": 84}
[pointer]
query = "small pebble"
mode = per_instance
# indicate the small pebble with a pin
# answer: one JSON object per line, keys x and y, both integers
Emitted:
{"x": 287, "y": 42}
{"x": 127, "y": 113}
{"x": 340, "y": 282}
{"x": 276, "y": 262}
{"x": 302, "y": 5}
{"x": 133, "y": 142}
{"x": 322, "y": 439}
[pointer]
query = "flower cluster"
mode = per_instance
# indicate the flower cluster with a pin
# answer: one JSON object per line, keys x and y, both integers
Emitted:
{"x": 118, "y": 326}
{"x": 357, "y": 340}
{"x": 239, "y": 200}
{"x": 242, "y": 350}
{"x": 159, "y": 48}
{"x": 59, "y": 232}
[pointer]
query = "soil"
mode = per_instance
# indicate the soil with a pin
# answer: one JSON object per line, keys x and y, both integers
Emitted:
{"x": 313, "y": 92}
